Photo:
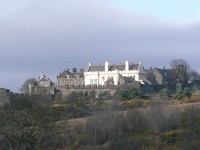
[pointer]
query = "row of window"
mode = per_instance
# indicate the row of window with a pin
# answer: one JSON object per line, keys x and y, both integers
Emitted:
{"x": 73, "y": 77}
{"x": 93, "y": 81}
{"x": 71, "y": 83}
{"x": 104, "y": 78}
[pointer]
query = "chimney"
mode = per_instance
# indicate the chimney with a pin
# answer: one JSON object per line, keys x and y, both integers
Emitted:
{"x": 126, "y": 66}
{"x": 81, "y": 70}
{"x": 74, "y": 70}
{"x": 140, "y": 67}
{"x": 106, "y": 66}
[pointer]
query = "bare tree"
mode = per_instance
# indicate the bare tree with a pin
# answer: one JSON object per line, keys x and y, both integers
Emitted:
{"x": 25, "y": 86}
{"x": 194, "y": 75}
{"x": 182, "y": 69}
{"x": 23, "y": 122}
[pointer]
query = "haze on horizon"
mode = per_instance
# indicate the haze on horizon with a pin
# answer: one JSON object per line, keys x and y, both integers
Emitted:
{"x": 50, "y": 35}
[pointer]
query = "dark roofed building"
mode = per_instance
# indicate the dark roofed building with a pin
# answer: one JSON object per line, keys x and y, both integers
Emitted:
{"x": 161, "y": 76}
{"x": 74, "y": 78}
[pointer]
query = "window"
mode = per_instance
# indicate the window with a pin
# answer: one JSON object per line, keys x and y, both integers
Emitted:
{"x": 140, "y": 77}
{"x": 91, "y": 81}
{"x": 71, "y": 82}
{"x": 95, "y": 81}
{"x": 133, "y": 77}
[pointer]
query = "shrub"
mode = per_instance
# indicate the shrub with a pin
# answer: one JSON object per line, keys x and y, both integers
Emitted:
{"x": 178, "y": 95}
{"x": 187, "y": 92}
{"x": 129, "y": 93}
{"x": 170, "y": 137}
{"x": 164, "y": 92}
{"x": 104, "y": 95}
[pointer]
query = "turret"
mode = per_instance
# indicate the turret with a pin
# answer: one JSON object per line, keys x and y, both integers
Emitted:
{"x": 41, "y": 75}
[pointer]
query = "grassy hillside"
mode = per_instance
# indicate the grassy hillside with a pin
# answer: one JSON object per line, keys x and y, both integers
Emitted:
{"x": 109, "y": 124}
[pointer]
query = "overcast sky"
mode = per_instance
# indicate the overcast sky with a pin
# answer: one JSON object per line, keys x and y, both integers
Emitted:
{"x": 51, "y": 35}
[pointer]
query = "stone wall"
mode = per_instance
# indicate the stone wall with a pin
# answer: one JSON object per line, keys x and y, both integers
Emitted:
{"x": 4, "y": 91}
{"x": 65, "y": 91}
{"x": 41, "y": 90}
{"x": 4, "y": 97}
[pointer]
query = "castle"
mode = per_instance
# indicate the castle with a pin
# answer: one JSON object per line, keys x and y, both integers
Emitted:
{"x": 104, "y": 76}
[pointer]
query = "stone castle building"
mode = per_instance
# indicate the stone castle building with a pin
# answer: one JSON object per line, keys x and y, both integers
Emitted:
{"x": 104, "y": 76}
{"x": 71, "y": 79}
{"x": 44, "y": 81}
{"x": 43, "y": 86}
{"x": 158, "y": 76}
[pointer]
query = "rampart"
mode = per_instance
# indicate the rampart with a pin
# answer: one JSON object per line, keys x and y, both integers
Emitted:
{"x": 67, "y": 90}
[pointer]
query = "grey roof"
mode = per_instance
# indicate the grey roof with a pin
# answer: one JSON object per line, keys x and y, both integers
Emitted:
{"x": 44, "y": 79}
{"x": 133, "y": 67}
{"x": 66, "y": 73}
{"x": 128, "y": 79}
{"x": 169, "y": 73}
{"x": 148, "y": 71}
{"x": 96, "y": 68}
{"x": 112, "y": 67}
{"x": 120, "y": 67}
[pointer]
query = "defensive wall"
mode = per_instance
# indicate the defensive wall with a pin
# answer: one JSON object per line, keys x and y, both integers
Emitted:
{"x": 67, "y": 90}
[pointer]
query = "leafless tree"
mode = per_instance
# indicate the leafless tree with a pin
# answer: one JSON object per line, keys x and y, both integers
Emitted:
{"x": 194, "y": 75}
{"x": 25, "y": 86}
{"x": 183, "y": 70}
{"x": 22, "y": 122}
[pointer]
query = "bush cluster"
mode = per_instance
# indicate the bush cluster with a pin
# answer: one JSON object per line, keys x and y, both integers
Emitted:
{"x": 129, "y": 93}
{"x": 186, "y": 93}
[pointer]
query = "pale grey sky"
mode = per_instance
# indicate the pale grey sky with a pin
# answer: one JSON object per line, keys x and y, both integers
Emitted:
{"x": 51, "y": 35}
